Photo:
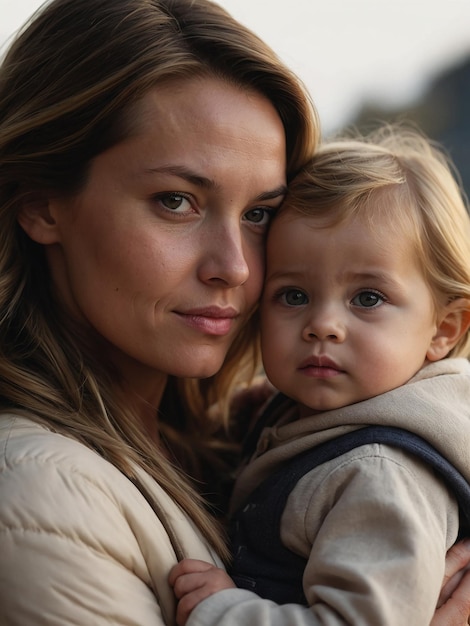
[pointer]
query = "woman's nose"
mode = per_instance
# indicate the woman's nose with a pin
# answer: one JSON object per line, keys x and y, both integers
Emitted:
{"x": 224, "y": 258}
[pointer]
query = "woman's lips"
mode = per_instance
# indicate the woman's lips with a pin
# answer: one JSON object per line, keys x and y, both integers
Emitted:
{"x": 210, "y": 320}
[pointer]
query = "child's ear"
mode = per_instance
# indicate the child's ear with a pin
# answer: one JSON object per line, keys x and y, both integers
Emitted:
{"x": 454, "y": 323}
{"x": 37, "y": 220}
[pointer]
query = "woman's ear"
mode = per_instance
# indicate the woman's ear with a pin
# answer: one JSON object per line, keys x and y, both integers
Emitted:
{"x": 37, "y": 220}
{"x": 454, "y": 323}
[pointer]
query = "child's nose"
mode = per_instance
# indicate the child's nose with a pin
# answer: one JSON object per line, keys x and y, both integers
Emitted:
{"x": 324, "y": 326}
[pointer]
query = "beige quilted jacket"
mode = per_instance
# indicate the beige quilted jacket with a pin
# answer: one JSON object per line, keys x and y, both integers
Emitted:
{"x": 79, "y": 545}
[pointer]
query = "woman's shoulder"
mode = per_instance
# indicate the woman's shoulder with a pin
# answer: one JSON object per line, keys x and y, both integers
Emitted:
{"x": 57, "y": 486}
{"x": 71, "y": 522}
{"x": 46, "y": 477}
{"x": 24, "y": 442}
{"x": 36, "y": 454}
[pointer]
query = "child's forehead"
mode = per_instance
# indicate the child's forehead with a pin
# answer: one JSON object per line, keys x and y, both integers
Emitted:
{"x": 371, "y": 222}
{"x": 391, "y": 208}
{"x": 379, "y": 230}
{"x": 343, "y": 254}
{"x": 289, "y": 225}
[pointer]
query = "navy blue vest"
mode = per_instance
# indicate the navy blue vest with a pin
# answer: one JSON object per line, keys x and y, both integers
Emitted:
{"x": 261, "y": 563}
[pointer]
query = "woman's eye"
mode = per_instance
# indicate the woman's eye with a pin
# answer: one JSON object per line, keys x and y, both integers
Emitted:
{"x": 260, "y": 217}
{"x": 294, "y": 297}
{"x": 175, "y": 202}
{"x": 368, "y": 299}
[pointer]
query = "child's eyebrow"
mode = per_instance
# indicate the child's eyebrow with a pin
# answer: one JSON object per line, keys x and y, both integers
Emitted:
{"x": 389, "y": 279}
{"x": 386, "y": 278}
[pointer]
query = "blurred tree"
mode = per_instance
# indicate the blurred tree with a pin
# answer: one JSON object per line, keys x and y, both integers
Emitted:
{"x": 443, "y": 113}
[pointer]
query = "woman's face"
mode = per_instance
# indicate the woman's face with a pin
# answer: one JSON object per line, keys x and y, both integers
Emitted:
{"x": 162, "y": 250}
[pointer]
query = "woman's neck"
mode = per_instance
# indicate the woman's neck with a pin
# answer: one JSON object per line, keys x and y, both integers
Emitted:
{"x": 144, "y": 401}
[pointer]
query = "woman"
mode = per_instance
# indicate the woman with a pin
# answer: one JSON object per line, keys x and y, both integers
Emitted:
{"x": 143, "y": 146}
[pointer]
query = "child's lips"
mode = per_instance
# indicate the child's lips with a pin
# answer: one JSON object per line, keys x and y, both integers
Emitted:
{"x": 320, "y": 360}
{"x": 320, "y": 366}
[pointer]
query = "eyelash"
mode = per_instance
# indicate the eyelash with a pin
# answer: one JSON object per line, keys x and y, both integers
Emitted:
{"x": 161, "y": 197}
{"x": 269, "y": 212}
{"x": 281, "y": 296}
{"x": 380, "y": 296}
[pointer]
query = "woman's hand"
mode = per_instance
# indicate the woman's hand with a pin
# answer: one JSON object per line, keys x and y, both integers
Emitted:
{"x": 453, "y": 607}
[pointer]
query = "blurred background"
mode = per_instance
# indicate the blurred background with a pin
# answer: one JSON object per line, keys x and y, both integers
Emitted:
{"x": 362, "y": 60}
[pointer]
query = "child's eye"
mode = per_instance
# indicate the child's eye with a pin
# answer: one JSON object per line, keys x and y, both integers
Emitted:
{"x": 368, "y": 299}
{"x": 294, "y": 297}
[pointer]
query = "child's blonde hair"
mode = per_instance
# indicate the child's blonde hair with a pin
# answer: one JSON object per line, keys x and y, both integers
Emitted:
{"x": 398, "y": 175}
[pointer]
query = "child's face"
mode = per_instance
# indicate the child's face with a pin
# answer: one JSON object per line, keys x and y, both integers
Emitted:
{"x": 345, "y": 315}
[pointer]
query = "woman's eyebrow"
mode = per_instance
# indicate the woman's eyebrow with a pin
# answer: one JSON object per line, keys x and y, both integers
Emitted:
{"x": 202, "y": 181}
{"x": 275, "y": 193}
{"x": 183, "y": 172}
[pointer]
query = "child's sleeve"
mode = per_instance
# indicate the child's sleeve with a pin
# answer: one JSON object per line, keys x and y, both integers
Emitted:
{"x": 375, "y": 526}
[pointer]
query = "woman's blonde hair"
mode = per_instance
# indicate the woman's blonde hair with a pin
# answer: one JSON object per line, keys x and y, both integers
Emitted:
{"x": 67, "y": 88}
{"x": 397, "y": 174}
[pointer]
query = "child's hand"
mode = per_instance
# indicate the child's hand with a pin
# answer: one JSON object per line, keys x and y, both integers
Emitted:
{"x": 192, "y": 582}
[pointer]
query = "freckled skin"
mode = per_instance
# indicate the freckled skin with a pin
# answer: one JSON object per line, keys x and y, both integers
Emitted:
{"x": 172, "y": 219}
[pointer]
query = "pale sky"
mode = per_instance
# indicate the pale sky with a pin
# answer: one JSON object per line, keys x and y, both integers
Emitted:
{"x": 344, "y": 50}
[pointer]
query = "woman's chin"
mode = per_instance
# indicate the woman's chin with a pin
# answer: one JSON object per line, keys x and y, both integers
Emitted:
{"x": 198, "y": 368}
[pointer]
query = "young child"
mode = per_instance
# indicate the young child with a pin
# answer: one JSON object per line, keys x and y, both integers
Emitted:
{"x": 364, "y": 322}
